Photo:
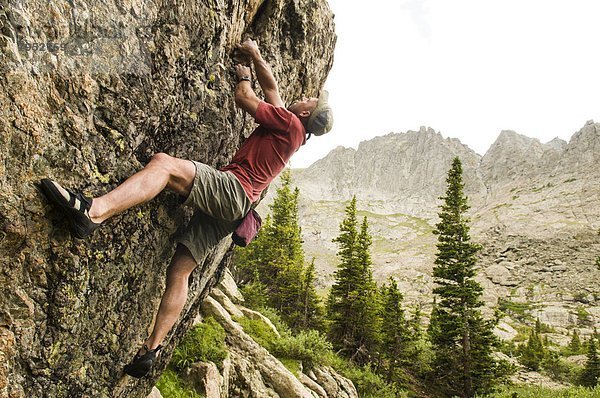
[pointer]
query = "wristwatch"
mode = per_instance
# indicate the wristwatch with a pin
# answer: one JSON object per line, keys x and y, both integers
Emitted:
{"x": 246, "y": 78}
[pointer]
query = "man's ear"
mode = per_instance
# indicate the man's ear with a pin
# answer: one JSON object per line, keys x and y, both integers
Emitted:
{"x": 305, "y": 114}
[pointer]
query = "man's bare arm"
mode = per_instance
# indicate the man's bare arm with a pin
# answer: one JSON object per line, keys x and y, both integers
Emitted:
{"x": 245, "y": 97}
{"x": 263, "y": 73}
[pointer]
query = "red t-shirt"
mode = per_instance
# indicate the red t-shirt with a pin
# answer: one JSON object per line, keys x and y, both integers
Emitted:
{"x": 266, "y": 152}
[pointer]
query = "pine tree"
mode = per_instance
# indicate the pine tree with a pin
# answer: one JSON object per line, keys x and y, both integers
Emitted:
{"x": 247, "y": 262}
{"x": 538, "y": 326}
{"x": 598, "y": 258}
{"x": 313, "y": 311}
{"x": 591, "y": 372}
{"x": 397, "y": 336}
{"x": 255, "y": 292}
{"x": 276, "y": 258}
{"x": 369, "y": 300}
{"x": 575, "y": 343}
{"x": 532, "y": 353}
{"x": 415, "y": 323}
{"x": 462, "y": 340}
{"x": 352, "y": 301}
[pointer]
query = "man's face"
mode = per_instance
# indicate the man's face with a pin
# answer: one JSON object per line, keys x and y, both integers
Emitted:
{"x": 303, "y": 105}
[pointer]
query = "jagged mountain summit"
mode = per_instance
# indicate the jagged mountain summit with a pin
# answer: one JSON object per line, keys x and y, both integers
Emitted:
{"x": 404, "y": 170}
{"x": 535, "y": 208}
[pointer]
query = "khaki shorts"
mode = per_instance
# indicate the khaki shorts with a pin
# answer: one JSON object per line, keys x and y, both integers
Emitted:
{"x": 220, "y": 201}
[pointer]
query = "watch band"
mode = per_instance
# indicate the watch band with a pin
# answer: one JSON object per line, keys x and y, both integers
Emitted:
{"x": 246, "y": 78}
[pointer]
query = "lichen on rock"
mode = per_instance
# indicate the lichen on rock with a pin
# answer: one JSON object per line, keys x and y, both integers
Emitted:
{"x": 89, "y": 92}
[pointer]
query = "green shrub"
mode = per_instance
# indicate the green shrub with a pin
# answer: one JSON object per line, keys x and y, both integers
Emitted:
{"x": 583, "y": 316}
{"x": 310, "y": 347}
{"x": 518, "y": 311}
{"x": 292, "y": 365}
{"x": 524, "y": 391}
{"x": 558, "y": 369}
{"x": 204, "y": 342}
{"x": 368, "y": 383}
{"x": 171, "y": 386}
{"x": 259, "y": 331}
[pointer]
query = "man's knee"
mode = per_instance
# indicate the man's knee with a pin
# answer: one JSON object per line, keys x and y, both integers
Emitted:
{"x": 162, "y": 159}
{"x": 182, "y": 264}
{"x": 180, "y": 172}
{"x": 177, "y": 272}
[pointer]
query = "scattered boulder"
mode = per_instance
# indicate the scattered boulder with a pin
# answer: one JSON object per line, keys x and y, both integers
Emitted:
{"x": 556, "y": 316}
{"x": 155, "y": 393}
{"x": 500, "y": 275}
{"x": 205, "y": 377}
{"x": 504, "y": 331}
{"x": 229, "y": 287}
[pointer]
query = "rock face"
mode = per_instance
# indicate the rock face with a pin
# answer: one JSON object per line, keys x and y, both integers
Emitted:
{"x": 251, "y": 371}
{"x": 89, "y": 92}
{"x": 535, "y": 208}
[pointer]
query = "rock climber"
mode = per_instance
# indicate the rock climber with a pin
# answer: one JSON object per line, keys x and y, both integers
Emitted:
{"x": 221, "y": 197}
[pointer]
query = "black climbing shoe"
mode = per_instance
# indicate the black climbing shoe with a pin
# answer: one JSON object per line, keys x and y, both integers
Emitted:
{"x": 141, "y": 364}
{"x": 75, "y": 205}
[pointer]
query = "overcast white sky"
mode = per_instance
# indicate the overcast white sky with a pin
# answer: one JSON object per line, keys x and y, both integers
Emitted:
{"x": 466, "y": 68}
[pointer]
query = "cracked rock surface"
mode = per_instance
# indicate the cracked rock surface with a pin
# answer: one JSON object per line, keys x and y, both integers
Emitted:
{"x": 89, "y": 92}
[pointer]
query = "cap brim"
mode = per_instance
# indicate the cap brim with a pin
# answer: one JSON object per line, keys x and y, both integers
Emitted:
{"x": 323, "y": 98}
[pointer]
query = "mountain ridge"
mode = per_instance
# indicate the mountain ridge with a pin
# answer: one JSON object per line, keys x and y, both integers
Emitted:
{"x": 535, "y": 207}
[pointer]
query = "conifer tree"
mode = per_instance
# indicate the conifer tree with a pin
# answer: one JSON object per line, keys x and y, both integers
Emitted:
{"x": 369, "y": 300}
{"x": 276, "y": 258}
{"x": 532, "y": 353}
{"x": 352, "y": 301}
{"x": 313, "y": 311}
{"x": 575, "y": 343}
{"x": 397, "y": 338}
{"x": 462, "y": 340}
{"x": 590, "y": 376}
{"x": 598, "y": 258}
{"x": 249, "y": 261}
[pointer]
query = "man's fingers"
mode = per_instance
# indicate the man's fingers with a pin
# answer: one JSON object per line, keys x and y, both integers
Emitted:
{"x": 247, "y": 42}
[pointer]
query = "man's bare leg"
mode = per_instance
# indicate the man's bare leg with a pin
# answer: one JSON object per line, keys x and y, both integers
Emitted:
{"x": 174, "y": 297}
{"x": 162, "y": 172}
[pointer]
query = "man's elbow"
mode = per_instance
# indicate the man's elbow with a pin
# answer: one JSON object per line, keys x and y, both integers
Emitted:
{"x": 238, "y": 100}
{"x": 241, "y": 97}
{"x": 248, "y": 103}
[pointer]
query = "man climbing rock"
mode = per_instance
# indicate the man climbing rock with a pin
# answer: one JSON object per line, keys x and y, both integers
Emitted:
{"x": 221, "y": 197}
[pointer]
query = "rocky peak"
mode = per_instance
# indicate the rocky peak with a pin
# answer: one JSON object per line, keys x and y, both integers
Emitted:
{"x": 557, "y": 144}
{"x": 395, "y": 168}
{"x": 512, "y": 157}
{"x": 515, "y": 159}
{"x": 582, "y": 154}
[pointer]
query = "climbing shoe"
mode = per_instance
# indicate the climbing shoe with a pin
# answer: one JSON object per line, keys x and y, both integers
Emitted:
{"x": 141, "y": 364}
{"x": 75, "y": 205}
